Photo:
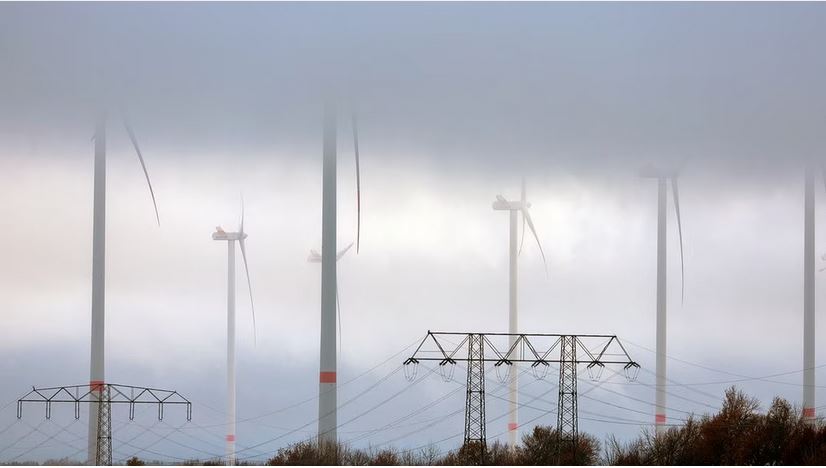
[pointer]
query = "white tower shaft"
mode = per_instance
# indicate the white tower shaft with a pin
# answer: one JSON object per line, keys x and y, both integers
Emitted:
{"x": 96, "y": 375}
{"x": 513, "y": 327}
{"x": 327, "y": 398}
{"x": 809, "y": 297}
{"x": 662, "y": 199}
{"x": 230, "y": 438}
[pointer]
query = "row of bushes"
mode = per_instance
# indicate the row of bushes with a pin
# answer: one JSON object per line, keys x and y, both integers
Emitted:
{"x": 538, "y": 448}
{"x": 736, "y": 435}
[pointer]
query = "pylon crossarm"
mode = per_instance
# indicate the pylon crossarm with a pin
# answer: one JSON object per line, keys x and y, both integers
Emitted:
{"x": 458, "y": 347}
{"x": 503, "y": 358}
{"x": 551, "y": 349}
{"x": 116, "y": 395}
{"x": 600, "y": 357}
{"x": 533, "y": 351}
{"x": 605, "y": 348}
{"x": 626, "y": 352}
{"x": 584, "y": 348}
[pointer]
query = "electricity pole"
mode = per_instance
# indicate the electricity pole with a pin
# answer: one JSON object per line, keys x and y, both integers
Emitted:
{"x": 103, "y": 396}
{"x": 542, "y": 349}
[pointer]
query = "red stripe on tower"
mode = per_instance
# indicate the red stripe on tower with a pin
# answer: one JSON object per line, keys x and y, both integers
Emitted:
{"x": 512, "y": 426}
{"x": 808, "y": 412}
{"x": 96, "y": 385}
{"x": 230, "y": 437}
{"x": 660, "y": 418}
{"x": 327, "y": 377}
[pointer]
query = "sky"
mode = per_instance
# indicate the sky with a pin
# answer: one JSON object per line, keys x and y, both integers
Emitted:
{"x": 456, "y": 103}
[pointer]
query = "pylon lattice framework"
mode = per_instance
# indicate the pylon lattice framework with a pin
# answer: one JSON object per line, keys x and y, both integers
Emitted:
{"x": 103, "y": 454}
{"x": 566, "y": 413}
{"x": 475, "y": 401}
{"x": 104, "y": 395}
{"x": 539, "y": 350}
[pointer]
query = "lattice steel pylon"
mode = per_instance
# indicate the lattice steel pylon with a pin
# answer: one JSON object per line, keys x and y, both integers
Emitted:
{"x": 567, "y": 430}
{"x": 537, "y": 349}
{"x": 103, "y": 454}
{"x": 104, "y": 395}
{"x": 475, "y": 402}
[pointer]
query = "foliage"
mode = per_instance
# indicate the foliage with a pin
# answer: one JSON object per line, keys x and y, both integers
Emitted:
{"x": 738, "y": 434}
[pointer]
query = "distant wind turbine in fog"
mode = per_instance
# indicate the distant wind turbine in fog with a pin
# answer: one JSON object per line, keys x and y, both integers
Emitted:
{"x": 231, "y": 238}
{"x": 97, "y": 376}
{"x": 315, "y": 257}
{"x": 514, "y": 208}
{"x": 663, "y": 177}
{"x": 809, "y": 292}
{"x": 328, "y": 360}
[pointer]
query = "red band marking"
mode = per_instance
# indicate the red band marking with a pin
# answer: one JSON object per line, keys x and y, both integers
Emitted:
{"x": 808, "y": 412}
{"x": 512, "y": 426}
{"x": 660, "y": 418}
{"x": 327, "y": 377}
{"x": 230, "y": 437}
{"x": 96, "y": 385}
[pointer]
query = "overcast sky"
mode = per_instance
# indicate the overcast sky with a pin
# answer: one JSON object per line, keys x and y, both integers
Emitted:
{"x": 456, "y": 102}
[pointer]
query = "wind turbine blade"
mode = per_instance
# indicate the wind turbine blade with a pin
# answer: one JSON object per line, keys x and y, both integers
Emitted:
{"x": 676, "y": 194}
{"x": 249, "y": 288}
{"x": 338, "y": 309}
{"x": 358, "y": 183}
{"x": 343, "y": 251}
{"x": 527, "y": 216}
{"x": 524, "y": 201}
{"x": 241, "y": 229}
{"x": 824, "y": 177}
{"x": 143, "y": 165}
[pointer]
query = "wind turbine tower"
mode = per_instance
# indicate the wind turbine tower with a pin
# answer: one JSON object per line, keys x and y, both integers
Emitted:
{"x": 514, "y": 208}
{"x": 231, "y": 238}
{"x": 327, "y": 398}
{"x": 97, "y": 377}
{"x": 328, "y": 364}
{"x": 809, "y": 295}
{"x": 662, "y": 331}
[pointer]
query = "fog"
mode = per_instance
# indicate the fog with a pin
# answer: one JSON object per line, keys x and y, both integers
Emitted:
{"x": 456, "y": 102}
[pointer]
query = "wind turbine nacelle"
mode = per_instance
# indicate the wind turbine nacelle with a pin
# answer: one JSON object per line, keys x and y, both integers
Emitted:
{"x": 228, "y": 236}
{"x": 506, "y": 205}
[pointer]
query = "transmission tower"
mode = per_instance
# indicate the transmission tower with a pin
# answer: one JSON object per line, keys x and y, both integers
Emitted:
{"x": 104, "y": 395}
{"x": 542, "y": 349}
{"x": 475, "y": 401}
{"x": 103, "y": 454}
{"x": 567, "y": 429}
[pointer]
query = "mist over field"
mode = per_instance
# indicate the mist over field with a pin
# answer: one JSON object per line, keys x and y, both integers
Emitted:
{"x": 455, "y": 103}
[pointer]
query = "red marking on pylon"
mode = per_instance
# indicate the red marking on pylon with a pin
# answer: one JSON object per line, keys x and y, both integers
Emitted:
{"x": 808, "y": 412}
{"x": 96, "y": 385}
{"x": 660, "y": 418}
{"x": 327, "y": 377}
{"x": 512, "y": 426}
{"x": 230, "y": 437}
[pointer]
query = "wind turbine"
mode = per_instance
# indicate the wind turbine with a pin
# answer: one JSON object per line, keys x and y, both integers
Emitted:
{"x": 663, "y": 177}
{"x": 97, "y": 375}
{"x": 315, "y": 257}
{"x": 809, "y": 293}
{"x": 514, "y": 208}
{"x": 328, "y": 364}
{"x": 231, "y": 238}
